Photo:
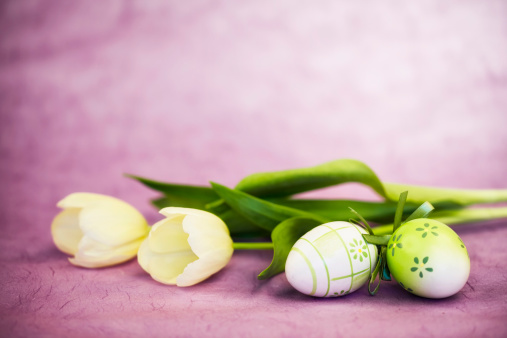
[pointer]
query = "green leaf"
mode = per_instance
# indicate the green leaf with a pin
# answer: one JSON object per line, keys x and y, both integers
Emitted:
{"x": 335, "y": 210}
{"x": 260, "y": 212}
{"x": 443, "y": 197}
{"x": 399, "y": 210}
{"x": 179, "y": 201}
{"x": 288, "y": 182}
{"x": 377, "y": 240}
{"x": 365, "y": 223}
{"x": 338, "y": 210}
{"x": 284, "y": 236}
{"x": 293, "y": 181}
{"x": 380, "y": 268}
{"x": 180, "y": 195}
{"x": 422, "y": 212}
{"x": 161, "y": 202}
{"x": 239, "y": 225}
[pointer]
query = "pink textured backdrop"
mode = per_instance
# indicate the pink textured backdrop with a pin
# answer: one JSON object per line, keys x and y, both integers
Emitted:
{"x": 192, "y": 91}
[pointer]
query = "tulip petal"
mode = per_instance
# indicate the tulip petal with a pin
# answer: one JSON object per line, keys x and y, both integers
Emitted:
{"x": 167, "y": 236}
{"x": 187, "y": 247}
{"x": 173, "y": 211}
{"x": 66, "y": 232}
{"x": 82, "y": 199}
{"x": 144, "y": 255}
{"x": 94, "y": 254}
{"x": 112, "y": 222}
{"x": 206, "y": 233}
{"x": 210, "y": 240}
{"x": 164, "y": 267}
{"x": 204, "y": 267}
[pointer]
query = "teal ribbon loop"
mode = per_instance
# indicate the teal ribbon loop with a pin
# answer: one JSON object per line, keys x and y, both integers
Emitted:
{"x": 386, "y": 274}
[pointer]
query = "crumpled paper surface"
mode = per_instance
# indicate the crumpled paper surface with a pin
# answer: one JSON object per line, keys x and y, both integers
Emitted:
{"x": 43, "y": 295}
{"x": 197, "y": 90}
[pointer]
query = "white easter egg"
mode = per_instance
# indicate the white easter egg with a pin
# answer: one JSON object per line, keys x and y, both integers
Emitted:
{"x": 331, "y": 260}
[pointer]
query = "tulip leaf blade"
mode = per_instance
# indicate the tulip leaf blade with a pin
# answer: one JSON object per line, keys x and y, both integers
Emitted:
{"x": 264, "y": 214}
{"x": 293, "y": 181}
{"x": 333, "y": 209}
{"x": 376, "y": 239}
{"x": 179, "y": 195}
{"x": 338, "y": 209}
{"x": 284, "y": 236}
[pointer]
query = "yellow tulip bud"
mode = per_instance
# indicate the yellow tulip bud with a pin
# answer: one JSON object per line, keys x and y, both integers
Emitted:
{"x": 98, "y": 230}
{"x": 186, "y": 247}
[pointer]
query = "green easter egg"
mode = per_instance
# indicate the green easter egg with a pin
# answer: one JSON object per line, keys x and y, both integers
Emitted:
{"x": 428, "y": 259}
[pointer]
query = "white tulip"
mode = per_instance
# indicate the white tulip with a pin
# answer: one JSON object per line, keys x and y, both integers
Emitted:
{"x": 98, "y": 230}
{"x": 186, "y": 247}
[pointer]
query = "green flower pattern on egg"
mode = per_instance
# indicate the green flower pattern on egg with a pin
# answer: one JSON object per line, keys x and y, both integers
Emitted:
{"x": 395, "y": 243}
{"x": 431, "y": 261}
{"x": 426, "y": 229}
{"x": 359, "y": 250}
{"x": 421, "y": 266}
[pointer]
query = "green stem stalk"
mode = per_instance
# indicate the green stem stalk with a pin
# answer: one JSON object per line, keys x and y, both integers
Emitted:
{"x": 451, "y": 217}
{"x": 459, "y": 197}
{"x": 253, "y": 246}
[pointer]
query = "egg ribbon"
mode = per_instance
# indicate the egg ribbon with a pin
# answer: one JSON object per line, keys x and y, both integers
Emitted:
{"x": 381, "y": 241}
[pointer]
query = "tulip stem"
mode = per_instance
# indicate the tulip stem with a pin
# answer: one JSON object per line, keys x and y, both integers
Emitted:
{"x": 253, "y": 246}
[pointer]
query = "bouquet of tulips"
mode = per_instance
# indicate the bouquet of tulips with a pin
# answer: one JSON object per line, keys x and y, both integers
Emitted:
{"x": 204, "y": 225}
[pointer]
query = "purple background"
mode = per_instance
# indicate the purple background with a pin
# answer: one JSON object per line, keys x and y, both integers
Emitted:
{"x": 191, "y": 91}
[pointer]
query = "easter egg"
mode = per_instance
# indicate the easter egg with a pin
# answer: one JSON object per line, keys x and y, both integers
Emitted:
{"x": 331, "y": 260}
{"x": 428, "y": 259}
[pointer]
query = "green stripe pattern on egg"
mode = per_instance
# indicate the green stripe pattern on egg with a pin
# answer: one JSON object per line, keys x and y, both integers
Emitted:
{"x": 331, "y": 260}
